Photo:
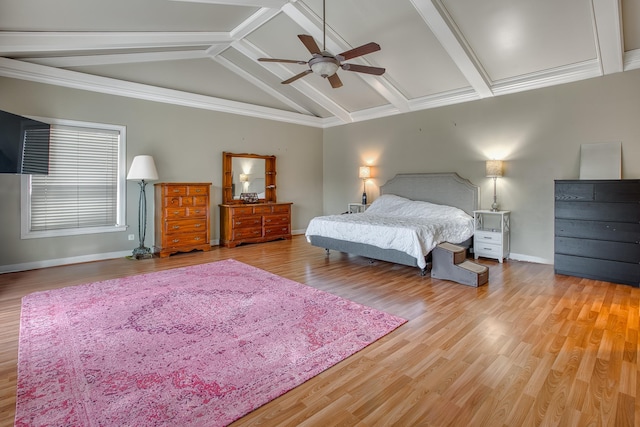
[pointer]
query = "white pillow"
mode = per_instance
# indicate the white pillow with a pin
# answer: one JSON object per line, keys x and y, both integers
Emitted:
{"x": 392, "y": 205}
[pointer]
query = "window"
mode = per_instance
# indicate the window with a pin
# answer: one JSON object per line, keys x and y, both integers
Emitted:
{"x": 84, "y": 191}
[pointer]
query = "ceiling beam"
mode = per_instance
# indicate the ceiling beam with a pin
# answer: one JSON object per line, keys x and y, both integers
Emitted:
{"x": 607, "y": 25}
{"x": 54, "y": 76}
{"x": 17, "y": 42}
{"x": 124, "y": 58}
{"x": 253, "y": 22}
{"x": 451, "y": 39}
{"x": 274, "y": 4}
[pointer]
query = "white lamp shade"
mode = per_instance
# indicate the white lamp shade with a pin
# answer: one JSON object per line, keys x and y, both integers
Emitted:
{"x": 143, "y": 168}
{"x": 364, "y": 172}
{"x": 244, "y": 177}
{"x": 494, "y": 168}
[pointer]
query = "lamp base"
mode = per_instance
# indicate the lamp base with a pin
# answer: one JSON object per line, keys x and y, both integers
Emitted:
{"x": 494, "y": 207}
{"x": 142, "y": 252}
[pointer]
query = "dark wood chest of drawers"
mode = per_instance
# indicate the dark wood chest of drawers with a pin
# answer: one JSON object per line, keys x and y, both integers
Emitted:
{"x": 254, "y": 223}
{"x": 181, "y": 217}
{"x": 597, "y": 230}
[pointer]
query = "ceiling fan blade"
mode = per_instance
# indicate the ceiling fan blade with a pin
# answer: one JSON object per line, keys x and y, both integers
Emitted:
{"x": 296, "y": 77}
{"x": 335, "y": 81}
{"x": 309, "y": 43}
{"x": 288, "y": 61}
{"x": 363, "y": 69}
{"x": 359, "y": 51}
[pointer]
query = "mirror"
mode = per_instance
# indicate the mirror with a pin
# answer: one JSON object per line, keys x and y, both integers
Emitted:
{"x": 248, "y": 173}
{"x": 248, "y": 176}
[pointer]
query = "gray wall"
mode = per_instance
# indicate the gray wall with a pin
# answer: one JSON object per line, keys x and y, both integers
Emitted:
{"x": 187, "y": 145}
{"x": 538, "y": 133}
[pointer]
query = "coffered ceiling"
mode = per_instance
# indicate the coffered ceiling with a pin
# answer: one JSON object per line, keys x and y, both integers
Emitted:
{"x": 203, "y": 53}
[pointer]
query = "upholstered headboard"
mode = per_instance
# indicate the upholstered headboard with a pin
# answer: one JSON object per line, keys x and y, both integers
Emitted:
{"x": 442, "y": 188}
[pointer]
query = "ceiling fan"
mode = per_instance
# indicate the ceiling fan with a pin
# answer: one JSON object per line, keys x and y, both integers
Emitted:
{"x": 324, "y": 64}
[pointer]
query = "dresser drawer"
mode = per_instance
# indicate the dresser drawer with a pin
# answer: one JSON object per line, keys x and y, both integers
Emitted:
{"x": 263, "y": 209}
{"x": 175, "y": 190}
{"x": 246, "y": 233}
{"x": 241, "y": 210}
{"x": 247, "y": 221}
{"x": 282, "y": 209}
{"x": 277, "y": 230}
{"x": 181, "y": 240}
{"x": 194, "y": 212}
{"x": 599, "y": 249}
{"x": 184, "y": 226}
{"x": 198, "y": 190}
{"x": 276, "y": 219}
{"x": 487, "y": 249}
{"x": 598, "y": 269}
{"x": 487, "y": 237}
{"x": 173, "y": 213}
{"x": 173, "y": 202}
{"x": 598, "y": 230}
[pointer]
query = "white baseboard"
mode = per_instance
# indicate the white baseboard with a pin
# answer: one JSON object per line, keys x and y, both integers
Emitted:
{"x": 528, "y": 258}
{"x": 61, "y": 261}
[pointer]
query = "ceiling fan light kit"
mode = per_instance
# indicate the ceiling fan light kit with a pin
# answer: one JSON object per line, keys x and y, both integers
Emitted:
{"x": 326, "y": 65}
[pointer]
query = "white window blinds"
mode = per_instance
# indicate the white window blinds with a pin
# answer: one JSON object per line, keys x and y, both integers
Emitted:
{"x": 81, "y": 189}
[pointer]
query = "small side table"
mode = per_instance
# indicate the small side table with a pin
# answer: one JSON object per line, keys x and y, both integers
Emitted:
{"x": 491, "y": 234}
{"x": 357, "y": 208}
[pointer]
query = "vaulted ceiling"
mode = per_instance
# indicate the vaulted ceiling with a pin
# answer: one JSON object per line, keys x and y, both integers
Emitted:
{"x": 203, "y": 53}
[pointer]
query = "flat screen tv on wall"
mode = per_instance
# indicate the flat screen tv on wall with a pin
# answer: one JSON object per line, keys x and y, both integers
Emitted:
{"x": 24, "y": 145}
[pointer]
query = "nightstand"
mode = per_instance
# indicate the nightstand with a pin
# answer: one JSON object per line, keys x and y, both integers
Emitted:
{"x": 357, "y": 208}
{"x": 491, "y": 234}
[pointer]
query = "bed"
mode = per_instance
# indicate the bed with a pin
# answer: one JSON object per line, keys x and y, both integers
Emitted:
{"x": 354, "y": 233}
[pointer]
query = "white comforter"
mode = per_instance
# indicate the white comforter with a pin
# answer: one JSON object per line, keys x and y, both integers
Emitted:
{"x": 393, "y": 222}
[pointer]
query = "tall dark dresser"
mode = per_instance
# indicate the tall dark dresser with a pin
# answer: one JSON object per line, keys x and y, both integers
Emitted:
{"x": 597, "y": 229}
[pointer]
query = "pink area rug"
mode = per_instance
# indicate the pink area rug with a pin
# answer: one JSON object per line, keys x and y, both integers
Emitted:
{"x": 193, "y": 346}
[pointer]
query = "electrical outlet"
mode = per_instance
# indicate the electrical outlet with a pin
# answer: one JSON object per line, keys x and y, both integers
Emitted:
{"x": 132, "y": 236}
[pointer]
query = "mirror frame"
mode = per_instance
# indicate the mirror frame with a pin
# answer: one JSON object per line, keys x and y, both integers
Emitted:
{"x": 227, "y": 177}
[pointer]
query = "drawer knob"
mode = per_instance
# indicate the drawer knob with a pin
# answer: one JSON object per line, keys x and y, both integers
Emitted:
{"x": 197, "y": 238}
{"x": 176, "y": 212}
{"x": 198, "y": 225}
{"x": 175, "y": 227}
{"x": 176, "y": 240}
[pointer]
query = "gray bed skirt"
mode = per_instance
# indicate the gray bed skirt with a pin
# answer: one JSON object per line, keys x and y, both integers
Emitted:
{"x": 374, "y": 252}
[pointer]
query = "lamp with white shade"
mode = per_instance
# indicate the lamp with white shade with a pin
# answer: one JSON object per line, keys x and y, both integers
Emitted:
{"x": 364, "y": 173}
{"x": 143, "y": 169}
{"x": 494, "y": 170}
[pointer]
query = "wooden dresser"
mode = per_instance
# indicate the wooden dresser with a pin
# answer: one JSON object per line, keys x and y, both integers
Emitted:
{"x": 254, "y": 223}
{"x": 182, "y": 217}
{"x": 597, "y": 229}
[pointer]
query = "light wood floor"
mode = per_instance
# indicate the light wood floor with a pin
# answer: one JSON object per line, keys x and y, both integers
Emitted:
{"x": 530, "y": 348}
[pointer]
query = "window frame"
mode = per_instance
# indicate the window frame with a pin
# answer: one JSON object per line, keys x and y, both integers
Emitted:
{"x": 25, "y": 191}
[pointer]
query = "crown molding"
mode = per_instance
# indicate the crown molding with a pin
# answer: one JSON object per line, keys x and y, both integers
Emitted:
{"x": 72, "y": 79}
